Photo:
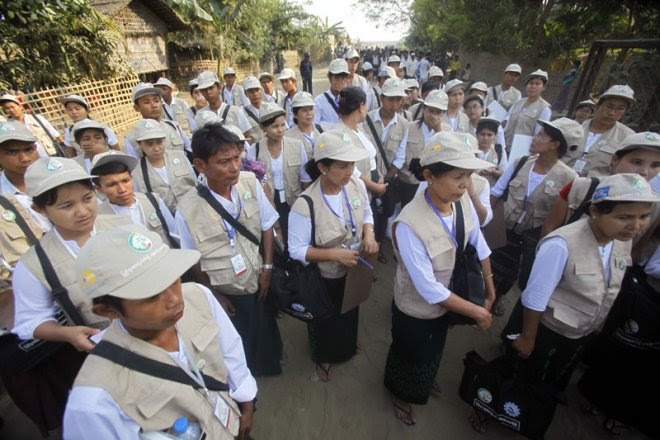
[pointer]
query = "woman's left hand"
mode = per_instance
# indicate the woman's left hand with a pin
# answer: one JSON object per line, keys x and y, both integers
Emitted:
{"x": 369, "y": 247}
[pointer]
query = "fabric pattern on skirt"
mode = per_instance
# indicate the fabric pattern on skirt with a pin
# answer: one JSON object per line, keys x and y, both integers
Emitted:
{"x": 414, "y": 355}
{"x": 255, "y": 322}
{"x": 335, "y": 339}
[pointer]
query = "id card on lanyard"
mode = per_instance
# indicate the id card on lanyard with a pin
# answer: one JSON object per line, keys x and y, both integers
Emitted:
{"x": 355, "y": 241}
{"x": 237, "y": 260}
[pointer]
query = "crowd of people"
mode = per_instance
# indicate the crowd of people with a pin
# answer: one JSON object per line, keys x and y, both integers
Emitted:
{"x": 146, "y": 266}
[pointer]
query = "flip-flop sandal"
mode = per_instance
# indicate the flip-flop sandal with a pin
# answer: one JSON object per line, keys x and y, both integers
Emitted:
{"x": 326, "y": 372}
{"x": 477, "y": 421}
{"x": 403, "y": 414}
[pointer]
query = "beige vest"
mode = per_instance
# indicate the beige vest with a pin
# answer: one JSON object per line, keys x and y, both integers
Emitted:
{"x": 211, "y": 239}
{"x": 64, "y": 265}
{"x": 173, "y": 140}
{"x": 576, "y": 195}
{"x": 290, "y": 168}
{"x": 600, "y": 154}
{"x": 330, "y": 232}
{"x": 156, "y": 403}
{"x": 540, "y": 201}
{"x": 413, "y": 111}
{"x": 582, "y": 300}
{"x": 181, "y": 178}
{"x": 13, "y": 241}
{"x": 364, "y": 165}
{"x": 150, "y": 218}
{"x": 421, "y": 218}
{"x": 237, "y": 94}
{"x": 233, "y": 116}
{"x": 255, "y": 132}
{"x": 523, "y": 121}
{"x": 295, "y": 133}
{"x": 478, "y": 183}
{"x": 414, "y": 148}
{"x": 180, "y": 108}
{"x": 42, "y": 137}
{"x": 506, "y": 99}
{"x": 462, "y": 122}
{"x": 391, "y": 144}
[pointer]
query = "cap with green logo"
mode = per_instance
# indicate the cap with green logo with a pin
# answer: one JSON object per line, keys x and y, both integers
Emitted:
{"x": 646, "y": 140}
{"x": 113, "y": 156}
{"x": 337, "y": 145}
{"x": 452, "y": 149}
{"x": 625, "y": 187}
{"x": 146, "y": 129}
{"x": 50, "y": 172}
{"x": 15, "y": 131}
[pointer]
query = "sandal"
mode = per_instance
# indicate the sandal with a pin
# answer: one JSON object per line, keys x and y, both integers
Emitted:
{"x": 435, "y": 389}
{"x": 404, "y": 414}
{"x": 499, "y": 309}
{"x": 614, "y": 427}
{"x": 324, "y": 375}
{"x": 477, "y": 421}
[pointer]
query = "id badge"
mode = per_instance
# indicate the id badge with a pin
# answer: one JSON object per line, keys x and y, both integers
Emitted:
{"x": 521, "y": 217}
{"x": 282, "y": 195}
{"x": 238, "y": 263}
{"x": 222, "y": 411}
{"x": 579, "y": 165}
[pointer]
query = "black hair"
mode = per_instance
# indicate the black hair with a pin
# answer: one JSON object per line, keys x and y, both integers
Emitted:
{"x": 270, "y": 121}
{"x": 487, "y": 124}
{"x": 473, "y": 98}
{"x": 107, "y": 169}
{"x": 78, "y": 133}
{"x": 350, "y": 99}
{"x": 556, "y": 135}
{"x": 622, "y": 152}
{"x": 591, "y": 106}
{"x": 211, "y": 138}
{"x": 110, "y": 301}
{"x": 437, "y": 169}
{"x": 49, "y": 198}
{"x": 332, "y": 75}
{"x": 313, "y": 170}
{"x": 607, "y": 206}
{"x": 429, "y": 86}
{"x": 80, "y": 104}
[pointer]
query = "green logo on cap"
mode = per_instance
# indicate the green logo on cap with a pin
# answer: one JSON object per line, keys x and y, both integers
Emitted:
{"x": 139, "y": 242}
{"x": 54, "y": 165}
{"x": 639, "y": 184}
{"x": 7, "y": 127}
{"x": 651, "y": 136}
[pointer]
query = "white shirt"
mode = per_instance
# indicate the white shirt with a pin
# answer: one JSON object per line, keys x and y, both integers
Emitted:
{"x": 591, "y": 138}
{"x": 91, "y": 411}
{"x": 324, "y": 113}
{"x": 499, "y": 139}
{"x": 370, "y": 147}
{"x": 424, "y": 66}
{"x": 8, "y": 189}
{"x": 136, "y": 213}
{"x": 533, "y": 180}
{"x": 484, "y": 198}
{"x": 300, "y": 226}
{"x": 400, "y": 155}
{"x": 267, "y": 215}
{"x": 33, "y": 301}
{"x": 278, "y": 163}
{"x": 112, "y": 137}
{"x": 548, "y": 270}
{"x": 417, "y": 260}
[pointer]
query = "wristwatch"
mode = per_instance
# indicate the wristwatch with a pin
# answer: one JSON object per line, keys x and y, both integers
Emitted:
{"x": 266, "y": 266}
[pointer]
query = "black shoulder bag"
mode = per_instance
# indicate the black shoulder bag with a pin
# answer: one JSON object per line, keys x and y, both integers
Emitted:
{"x": 225, "y": 112}
{"x": 251, "y": 114}
{"x": 582, "y": 209}
{"x": 392, "y": 195}
{"x": 56, "y": 144}
{"x": 467, "y": 280}
{"x": 332, "y": 102}
{"x": 319, "y": 128}
{"x": 145, "y": 174}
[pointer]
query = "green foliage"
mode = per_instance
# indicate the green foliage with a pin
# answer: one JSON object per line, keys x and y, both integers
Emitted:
{"x": 52, "y": 42}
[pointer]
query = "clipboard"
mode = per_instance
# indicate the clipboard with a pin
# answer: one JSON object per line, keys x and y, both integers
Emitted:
{"x": 358, "y": 285}
{"x": 496, "y": 111}
{"x": 519, "y": 146}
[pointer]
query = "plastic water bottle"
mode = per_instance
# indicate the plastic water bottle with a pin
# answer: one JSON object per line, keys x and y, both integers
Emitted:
{"x": 186, "y": 430}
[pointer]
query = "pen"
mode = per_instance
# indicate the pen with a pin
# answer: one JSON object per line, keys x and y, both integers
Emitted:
{"x": 360, "y": 259}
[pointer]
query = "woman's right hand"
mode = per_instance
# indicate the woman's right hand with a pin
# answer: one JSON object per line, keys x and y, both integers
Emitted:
{"x": 380, "y": 189}
{"x": 483, "y": 318}
{"x": 78, "y": 336}
{"x": 347, "y": 257}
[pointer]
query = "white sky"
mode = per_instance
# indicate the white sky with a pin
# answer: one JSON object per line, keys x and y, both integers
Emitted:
{"x": 353, "y": 20}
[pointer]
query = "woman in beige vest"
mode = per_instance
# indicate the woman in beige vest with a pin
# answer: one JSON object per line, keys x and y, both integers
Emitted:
{"x": 343, "y": 230}
{"x": 576, "y": 278}
{"x": 454, "y": 117}
{"x": 424, "y": 240}
{"x": 167, "y": 173}
{"x": 490, "y": 140}
{"x": 523, "y": 115}
{"x": 284, "y": 159}
{"x": 77, "y": 109}
{"x": 303, "y": 117}
{"x": 92, "y": 139}
{"x": 530, "y": 194}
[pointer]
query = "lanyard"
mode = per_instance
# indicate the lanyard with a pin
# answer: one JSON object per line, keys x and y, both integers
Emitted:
{"x": 309, "y": 139}
{"x": 229, "y": 228}
{"x": 439, "y": 215}
{"x": 191, "y": 369}
{"x": 348, "y": 207}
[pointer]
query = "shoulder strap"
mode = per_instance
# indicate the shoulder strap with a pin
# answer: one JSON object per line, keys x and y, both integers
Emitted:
{"x": 225, "y": 112}
{"x": 418, "y": 110}
{"x": 56, "y": 144}
{"x": 145, "y": 173}
{"x": 193, "y": 109}
{"x": 159, "y": 213}
{"x": 251, "y": 114}
{"x": 319, "y": 128}
{"x": 378, "y": 141}
{"x": 332, "y": 102}
{"x": 310, "y": 205}
{"x": 60, "y": 294}
{"x": 521, "y": 163}
{"x": 167, "y": 113}
{"x": 577, "y": 214}
{"x": 377, "y": 97}
{"x": 142, "y": 364}
{"x": 20, "y": 221}
{"x": 460, "y": 230}
{"x": 498, "y": 150}
{"x": 494, "y": 92}
{"x": 204, "y": 193}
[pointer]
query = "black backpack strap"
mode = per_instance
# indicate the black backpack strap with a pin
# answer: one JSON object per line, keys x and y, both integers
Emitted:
{"x": 145, "y": 174}
{"x": 377, "y": 97}
{"x": 319, "y": 128}
{"x": 60, "y": 294}
{"x": 310, "y": 205}
{"x": 498, "y": 150}
{"x": 521, "y": 163}
{"x": 56, "y": 144}
{"x": 225, "y": 112}
{"x": 193, "y": 109}
{"x": 20, "y": 221}
{"x": 142, "y": 364}
{"x": 494, "y": 92}
{"x": 167, "y": 113}
{"x": 251, "y": 114}
{"x": 418, "y": 110}
{"x": 459, "y": 232}
{"x": 378, "y": 141}
{"x": 332, "y": 102}
{"x": 579, "y": 212}
{"x": 204, "y": 193}
{"x": 159, "y": 213}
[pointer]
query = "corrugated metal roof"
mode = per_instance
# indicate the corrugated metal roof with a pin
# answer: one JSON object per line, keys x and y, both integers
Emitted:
{"x": 111, "y": 8}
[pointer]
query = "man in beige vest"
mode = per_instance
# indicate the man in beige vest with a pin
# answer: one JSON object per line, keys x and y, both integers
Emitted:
{"x": 148, "y": 101}
{"x": 174, "y": 109}
{"x": 232, "y": 93}
{"x": 505, "y": 93}
{"x": 290, "y": 85}
{"x": 252, "y": 110}
{"x": 352, "y": 58}
{"x": 207, "y": 219}
{"x": 271, "y": 94}
{"x": 209, "y": 85}
{"x": 133, "y": 278}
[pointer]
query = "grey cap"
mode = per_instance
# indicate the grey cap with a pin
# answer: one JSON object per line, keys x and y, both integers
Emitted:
{"x": 351, "y": 53}
{"x": 538, "y": 73}
{"x": 266, "y": 75}
{"x": 571, "y": 131}
{"x": 437, "y": 99}
{"x": 251, "y": 82}
{"x": 75, "y": 98}
{"x": 143, "y": 89}
{"x": 206, "y": 79}
{"x": 287, "y": 74}
{"x": 453, "y": 85}
{"x": 50, "y": 172}
{"x": 338, "y": 66}
{"x": 436, "y": 71}
{"x": 513, "y": 68}
{"x": 146, "y": 129}
{"x": 237, "y": 132}
{"x": 269, "y": 110}
{"x": 193, "y": 84}
{"x": 303, "y": 99}
{"x": 85, "y": 124}
{"x": 15, "y": 131}
{"x": 228, "y": 71}
{"x": 393, "y": 87}
{"x": 646, "y": 140}
{"x": 113, "y": 156}
{"x": 130, "y": 262}
{"x": 162, "y": 81}
{"x": 393, "y": 59}
{"x": 625, "y": 187}
{"x": 9, "y": 97}
{"x": 453, "y": 149}
{"x": 336, "y": 144}
{"x": 624, "y": 92}
{"x": 204, "y": 117}
{"x": 479, "y": 85}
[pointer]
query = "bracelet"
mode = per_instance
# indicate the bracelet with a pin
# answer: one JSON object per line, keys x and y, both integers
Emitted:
{"x": 488, "y": 276}
{"x": 266, "y": 266}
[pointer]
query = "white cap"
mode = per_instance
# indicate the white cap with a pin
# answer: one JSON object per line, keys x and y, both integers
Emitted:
{"x": 338, "y": 66}
{"x": 77, "y": 99}
{"x": 192, "y": 84}
{"x": 624, "y": 187}
{"x": 367, "y": 66}
{"x": 162, "y": 81}
{"x": 479, "y": 85}
{"x": 204, "y": 117}
{"x": 270, "y": 110}
{"x": 435, "y": 71}
{"x": 624, "y": 92}
{"x": 513, "y": 68}
{"x": 351, "y": 53}
{"x": 538, "y": 73}
{"x": 251, "y": 82}
{"x": 393, "y": 87}
{"x": 266, "y": 74}
{"x": 228, "y": 71}
{"x": 411, "y": 83}
{"x": 9, "y": 97}
{"x": 50, "y": 172}
{"x": 453, "y": 85}
{"x": 571, "y": 131}
{"x": 113, "y": 156}
{"x": 143, "y": 89}
{"x": 336, "y": 144}
{"x": 393, "y": 59}
{"x": 207, "y": 79}
{"x": 303, "y": 99}
{"x": 452, "y": 149}
{"x": 287, "y": 74}
{"x": 437, "y": 99}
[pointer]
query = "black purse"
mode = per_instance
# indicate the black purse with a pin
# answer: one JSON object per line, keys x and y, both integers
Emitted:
{"x": 392, "y": 195}
{"x": 467, "y": 280}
